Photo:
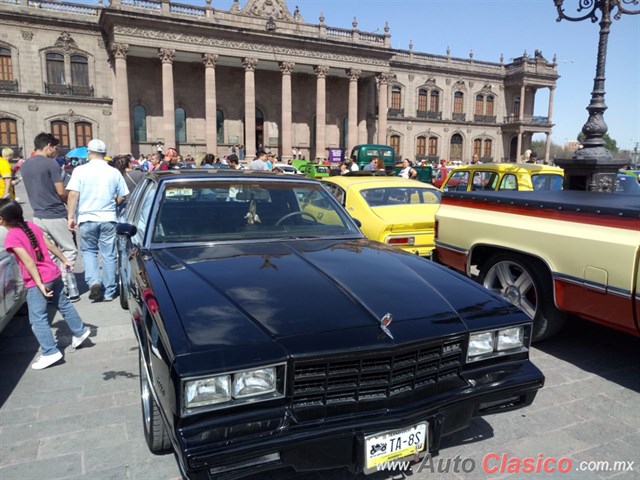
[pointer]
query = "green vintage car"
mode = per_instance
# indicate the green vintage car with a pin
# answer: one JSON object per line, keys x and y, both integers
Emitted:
{"x": 312, "y": 170}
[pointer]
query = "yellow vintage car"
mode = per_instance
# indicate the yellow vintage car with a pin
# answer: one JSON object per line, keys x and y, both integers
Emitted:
{"x": 392, "y": 210}
{"x": 504, "y": 176}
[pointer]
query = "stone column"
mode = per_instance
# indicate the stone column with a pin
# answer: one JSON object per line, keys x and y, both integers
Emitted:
{"x": 353, "y": 75}
{"x": 321, "y": 110}
{"x": 383, "y": 99}
{"x": 519, "y": 148}
{"x": 521, "y": 112}
{"x": 210, "y": 103}
{"x": 168, "y": 103}
{"x": 547, "y": 147}
{"x": 249, "y": 108}
{"x": 122, "y": 129}
{"x": 362, "y": 111}
{"x": 286, "y": 68}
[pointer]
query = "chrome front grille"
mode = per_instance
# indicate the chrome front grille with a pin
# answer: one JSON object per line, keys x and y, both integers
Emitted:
{"x": 353, "y": 383}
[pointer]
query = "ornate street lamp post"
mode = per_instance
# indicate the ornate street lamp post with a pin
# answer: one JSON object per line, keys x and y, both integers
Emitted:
{"x": 593, "y": 167}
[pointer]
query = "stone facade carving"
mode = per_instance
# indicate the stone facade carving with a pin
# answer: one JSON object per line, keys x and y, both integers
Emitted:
{"x": 166, "y": 55}
{"x": 411, "y": 77}
{"x": 353, "y": 74}
{"x": 385, "y": 78}
{"x": 486, "y": 89}
{"x": 27, "y": 34}
{"x": 66, "y": 43}
{"x": 459, "y": 85}
{"x": 276, "y": 9}
{"x": 100, "y": 43}
{"x": 119, "y": 50}
{"x": 33, "y": 108}
{"x": 209, "y": 60}
{"x": 249, "y": 64}
{"x": 322, "y": 71}
{"x": 106, "y": 112}
{"x": 287, "y": 67}
{"x": 246, "y": 46}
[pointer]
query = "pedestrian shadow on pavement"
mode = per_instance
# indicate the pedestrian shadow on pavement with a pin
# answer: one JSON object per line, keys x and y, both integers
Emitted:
{"x": 602, "y": 351}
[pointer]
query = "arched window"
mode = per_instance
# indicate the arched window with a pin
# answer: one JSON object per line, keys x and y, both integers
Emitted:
{"x": 488, "y": 146}
{"x": 139, "y": 124}
{"x": 479, "y": 105}
{"x": 220, "y": 126}
{"x": 490, "y": 100}
{"x": 477, "y": 147}
{"x": 433, "y": 146}
{"x": 422, "y": 100}
{"x": 421, "y": 146}
{"x": 395, "y": 144}
{"x": 181, "y": 125}
{"x": 83, "y": 134}
{"x": 79, "y": 70}
{"x": 60, "y": 130}
{"x": 434, "y": 105}
{"x": 8, "y": 133}
{"x": 55, "y": 69}
{"x": 396, "y": 98}
{"x": 455, "y": 153}
{"x": 458, "y": 103}
{"x": 6, "y": 65}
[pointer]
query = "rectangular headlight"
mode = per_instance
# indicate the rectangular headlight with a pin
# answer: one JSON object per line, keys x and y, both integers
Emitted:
{"x": 510, "y": 338}
{"x": 480, "y": 344}
{"x": 254, "y": 382}
{"x": 207, "y": 391}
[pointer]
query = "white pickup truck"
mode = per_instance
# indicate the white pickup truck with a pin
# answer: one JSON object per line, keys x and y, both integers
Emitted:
{"x": 551, "y": 253}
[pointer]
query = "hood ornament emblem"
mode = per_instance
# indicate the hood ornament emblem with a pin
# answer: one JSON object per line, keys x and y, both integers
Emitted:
{"x": 384, "y": 324}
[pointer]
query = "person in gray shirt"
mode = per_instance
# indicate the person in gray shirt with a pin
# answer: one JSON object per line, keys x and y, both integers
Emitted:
{"x": 43, "y": 182}
{"x": 260, "y": 162}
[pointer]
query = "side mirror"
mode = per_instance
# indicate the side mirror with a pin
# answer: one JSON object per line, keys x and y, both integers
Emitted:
{"x": 357, "y": 222}
{"x": 126, "y": 229}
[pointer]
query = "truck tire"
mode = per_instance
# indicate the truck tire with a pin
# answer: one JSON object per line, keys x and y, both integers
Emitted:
{"x": 525, "y": 284}
{"x": 155, "y": 433}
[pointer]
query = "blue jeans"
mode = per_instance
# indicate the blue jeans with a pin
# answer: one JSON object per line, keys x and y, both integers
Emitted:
{"x": 39, "y": 319}
{"x": 100, "y": 236}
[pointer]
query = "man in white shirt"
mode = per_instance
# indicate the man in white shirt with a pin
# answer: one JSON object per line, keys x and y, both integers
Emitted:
{"x": 94, "y": 190}
{"x": 260, "y": 162}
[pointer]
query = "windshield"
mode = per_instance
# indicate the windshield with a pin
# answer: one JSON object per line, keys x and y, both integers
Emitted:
{"x": 241, "y": 210}
{"x": 386, "y": 196}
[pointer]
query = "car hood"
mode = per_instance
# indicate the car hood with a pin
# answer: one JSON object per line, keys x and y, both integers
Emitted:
{"x": 249, "y": 293}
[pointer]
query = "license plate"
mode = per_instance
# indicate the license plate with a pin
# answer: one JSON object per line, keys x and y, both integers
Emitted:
{"x": 388, "y": 446}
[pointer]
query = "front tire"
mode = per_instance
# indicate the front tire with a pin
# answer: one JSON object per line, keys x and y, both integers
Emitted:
{"x": 527, "y": 285}
{"x": 155, "y": 432}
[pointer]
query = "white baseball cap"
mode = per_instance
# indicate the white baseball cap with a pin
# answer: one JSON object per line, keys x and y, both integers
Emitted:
{"x": 97, "y": 146}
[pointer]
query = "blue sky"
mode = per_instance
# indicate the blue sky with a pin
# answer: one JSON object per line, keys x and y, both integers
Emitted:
{"x": 508, "y": 27}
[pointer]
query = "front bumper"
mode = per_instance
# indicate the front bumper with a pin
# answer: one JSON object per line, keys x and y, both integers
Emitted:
{"x": 339, "y": 442}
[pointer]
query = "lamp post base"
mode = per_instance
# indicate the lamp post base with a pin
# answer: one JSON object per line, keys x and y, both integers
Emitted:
{"x": 591, "y": 169}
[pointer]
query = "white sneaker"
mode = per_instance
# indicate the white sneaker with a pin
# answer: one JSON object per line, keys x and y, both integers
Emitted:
{"x": 44, "y": 361}
{"x": 77, "y": 341}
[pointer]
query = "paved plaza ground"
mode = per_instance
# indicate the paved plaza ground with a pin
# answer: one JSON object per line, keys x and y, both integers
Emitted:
{"x": 81, "y": 418}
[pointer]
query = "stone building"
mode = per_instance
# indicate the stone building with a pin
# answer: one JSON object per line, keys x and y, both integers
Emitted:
{"x": 143, "y": 73}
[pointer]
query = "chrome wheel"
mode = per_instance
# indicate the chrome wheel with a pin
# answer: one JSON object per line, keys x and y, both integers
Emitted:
{"x": 510, "y": 280}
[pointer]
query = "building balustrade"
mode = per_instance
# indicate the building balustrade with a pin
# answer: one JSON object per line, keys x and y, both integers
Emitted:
{"x": 8, "y": 85}
{"x": 528, "y": 119}
{"x": 67, "y": 89}
{"x": 429, "y": 115}
{"x": 484, "y": 118}
{"x": 458, "y": 117}
{"x": 63, "y": 7}
{"x": 395, "y": 112}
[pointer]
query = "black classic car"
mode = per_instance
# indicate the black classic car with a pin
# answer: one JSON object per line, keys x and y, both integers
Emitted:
{"x": 272, "y": 335}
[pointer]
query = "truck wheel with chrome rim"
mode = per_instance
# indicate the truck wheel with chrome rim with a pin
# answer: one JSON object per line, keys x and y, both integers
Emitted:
{"x": 526, "y": 284}
{"x": 155, "y": 432}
